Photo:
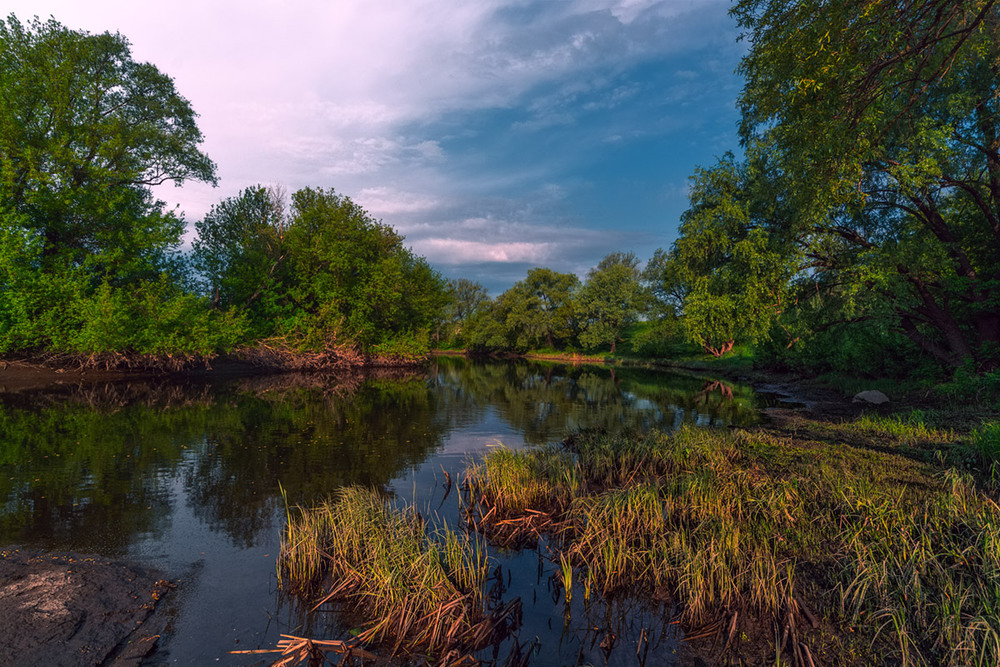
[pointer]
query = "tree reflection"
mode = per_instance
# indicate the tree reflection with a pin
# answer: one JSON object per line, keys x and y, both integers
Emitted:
{"x": 97, "y": 467}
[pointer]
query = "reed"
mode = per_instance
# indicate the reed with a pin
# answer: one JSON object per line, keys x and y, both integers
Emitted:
{"x": 897, "y": 557}
{"x": 424, "y": 591}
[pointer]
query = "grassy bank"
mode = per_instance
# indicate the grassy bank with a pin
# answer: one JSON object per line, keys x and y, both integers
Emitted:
{"x": 803, "y": 548}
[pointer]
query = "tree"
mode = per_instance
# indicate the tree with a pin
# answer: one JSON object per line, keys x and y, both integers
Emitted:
{"x": 240, "y": 248}
{"x": 467, "y": 299}
{"x": 539, "y": 310}
{"x": 84, "y": 132}
{"x": 728, "y": 272}
{"x": 88, "y": 257}
{"x": 883, "y": 120}
{"x": 350, "y": 275}
{"x": 610, "y": 300}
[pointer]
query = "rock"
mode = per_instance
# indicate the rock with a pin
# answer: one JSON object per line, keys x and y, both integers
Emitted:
{"x": 871, "y": 396}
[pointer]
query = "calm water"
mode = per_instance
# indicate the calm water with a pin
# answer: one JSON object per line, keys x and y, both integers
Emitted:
{"x": 185, "y": 478}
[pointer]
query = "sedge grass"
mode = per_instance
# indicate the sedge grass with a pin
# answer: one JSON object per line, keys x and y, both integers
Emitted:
{"x": 424, "y": 591}
{"x": 903, "y": 555}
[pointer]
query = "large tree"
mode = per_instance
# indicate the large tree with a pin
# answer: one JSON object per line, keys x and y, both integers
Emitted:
{"x": 883, "y": 120}
{"x": 88, "y": 259}
{"x": 85, "y": 130}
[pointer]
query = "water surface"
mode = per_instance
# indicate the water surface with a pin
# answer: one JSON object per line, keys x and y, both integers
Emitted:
{"x": 188, "y": 478}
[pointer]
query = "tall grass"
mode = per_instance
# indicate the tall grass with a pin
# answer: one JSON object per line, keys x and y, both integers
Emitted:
{"x": 910, "y": 428}
{"x": 903, "y": 556}
{"x": 426, "y": 590}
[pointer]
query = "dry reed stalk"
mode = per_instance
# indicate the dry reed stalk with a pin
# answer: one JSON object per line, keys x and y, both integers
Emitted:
{"x": 296, "y": 650}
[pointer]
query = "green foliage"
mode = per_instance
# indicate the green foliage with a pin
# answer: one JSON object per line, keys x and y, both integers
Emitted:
{"x": 536, "y": 312}
{"x": 239, "y": 248}
{"x": 726, "y": 273}
{"x": 84, "y": 131}
{"x": 881, "y": 123}
{"x": 610, "y": 300}
{"x": 322, "y": 276}
{"x": 88, "y": 260}
{"x": 350, "y": 276}
{"x": 985, "y": 444}
{"x": 467, "y": 299}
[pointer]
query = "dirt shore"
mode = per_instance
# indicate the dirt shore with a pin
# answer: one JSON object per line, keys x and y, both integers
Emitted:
{"x": 75, "y": 610}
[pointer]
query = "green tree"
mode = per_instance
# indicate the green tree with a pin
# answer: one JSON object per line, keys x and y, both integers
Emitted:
{"x": 727, "y": 271}
{"x": 351, "y": 279}
{"x": 240, "y": 248}
{"x": 467, "y": 298}
{"x": 84, "y": 132}
{"x": 539, "y": 310}
{"x": 883, "y": 121}
{"x": 610, "y": 300}
{"x": 86, "y": 252}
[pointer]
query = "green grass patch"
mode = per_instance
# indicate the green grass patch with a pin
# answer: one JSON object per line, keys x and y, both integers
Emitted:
{"x": 899, "y": 557}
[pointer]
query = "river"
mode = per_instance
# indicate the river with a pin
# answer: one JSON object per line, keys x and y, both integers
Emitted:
{"x": 188, "y": 478}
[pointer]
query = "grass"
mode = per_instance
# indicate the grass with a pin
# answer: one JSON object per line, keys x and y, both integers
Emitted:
{"x": 862, "y": 554}
{"x": 424, "y": 591}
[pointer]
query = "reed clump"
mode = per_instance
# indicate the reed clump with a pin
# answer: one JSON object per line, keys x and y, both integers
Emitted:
{"x": 860, "y": 552}
{"x": 423, "y": 591}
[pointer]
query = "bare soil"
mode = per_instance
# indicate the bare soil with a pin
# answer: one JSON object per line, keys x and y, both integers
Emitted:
{"x": 72, "y": 610}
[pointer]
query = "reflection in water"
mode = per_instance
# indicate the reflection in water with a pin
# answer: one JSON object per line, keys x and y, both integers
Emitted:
{"x": 185, "y": 475}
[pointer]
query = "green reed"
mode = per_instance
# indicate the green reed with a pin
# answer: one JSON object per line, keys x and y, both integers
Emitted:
{"x": 889, "y": 550}
{"x": 424, "y": 589}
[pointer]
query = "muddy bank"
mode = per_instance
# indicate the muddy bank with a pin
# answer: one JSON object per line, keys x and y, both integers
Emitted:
{"x": 73, "y": 610}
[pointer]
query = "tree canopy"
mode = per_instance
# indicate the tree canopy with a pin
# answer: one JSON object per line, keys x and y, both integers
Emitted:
{"x": 610, "y": 300}
{"x": 84, "y": 131}
{"x": 869, "y": 193}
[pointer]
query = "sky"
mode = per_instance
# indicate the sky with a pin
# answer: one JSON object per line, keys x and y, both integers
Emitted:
{"x": 496, "y": 135}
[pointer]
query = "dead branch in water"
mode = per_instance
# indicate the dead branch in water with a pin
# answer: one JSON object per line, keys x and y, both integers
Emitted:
{"x": 297, "y": 650}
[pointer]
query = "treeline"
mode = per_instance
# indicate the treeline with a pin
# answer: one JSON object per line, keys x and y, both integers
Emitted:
{"x": 556, "y": 312}
{"x": 860, "y": 228}
{"x": 91, "y": 263}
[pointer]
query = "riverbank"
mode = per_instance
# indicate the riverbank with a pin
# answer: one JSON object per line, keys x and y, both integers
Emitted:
{"x": 69, "y": 609}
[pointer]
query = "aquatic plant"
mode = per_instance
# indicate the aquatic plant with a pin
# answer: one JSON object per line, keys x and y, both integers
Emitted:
{"x": 424, "y": 591}
{"x": 748, "y": 530}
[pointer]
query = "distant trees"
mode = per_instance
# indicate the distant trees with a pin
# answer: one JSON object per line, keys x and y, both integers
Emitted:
{"x": 554, "y": 311}
{"x": 610, "y": 300}
{"x": 239, "y": 250}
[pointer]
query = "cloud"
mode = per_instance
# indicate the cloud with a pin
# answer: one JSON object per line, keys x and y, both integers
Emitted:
{"x": 455, "y": 251}
{"x": 473, "y": 127}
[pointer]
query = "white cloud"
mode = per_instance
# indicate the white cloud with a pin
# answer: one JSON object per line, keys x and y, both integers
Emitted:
{"x": 455, "y": 251}
{"x": 388, "y": 201}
